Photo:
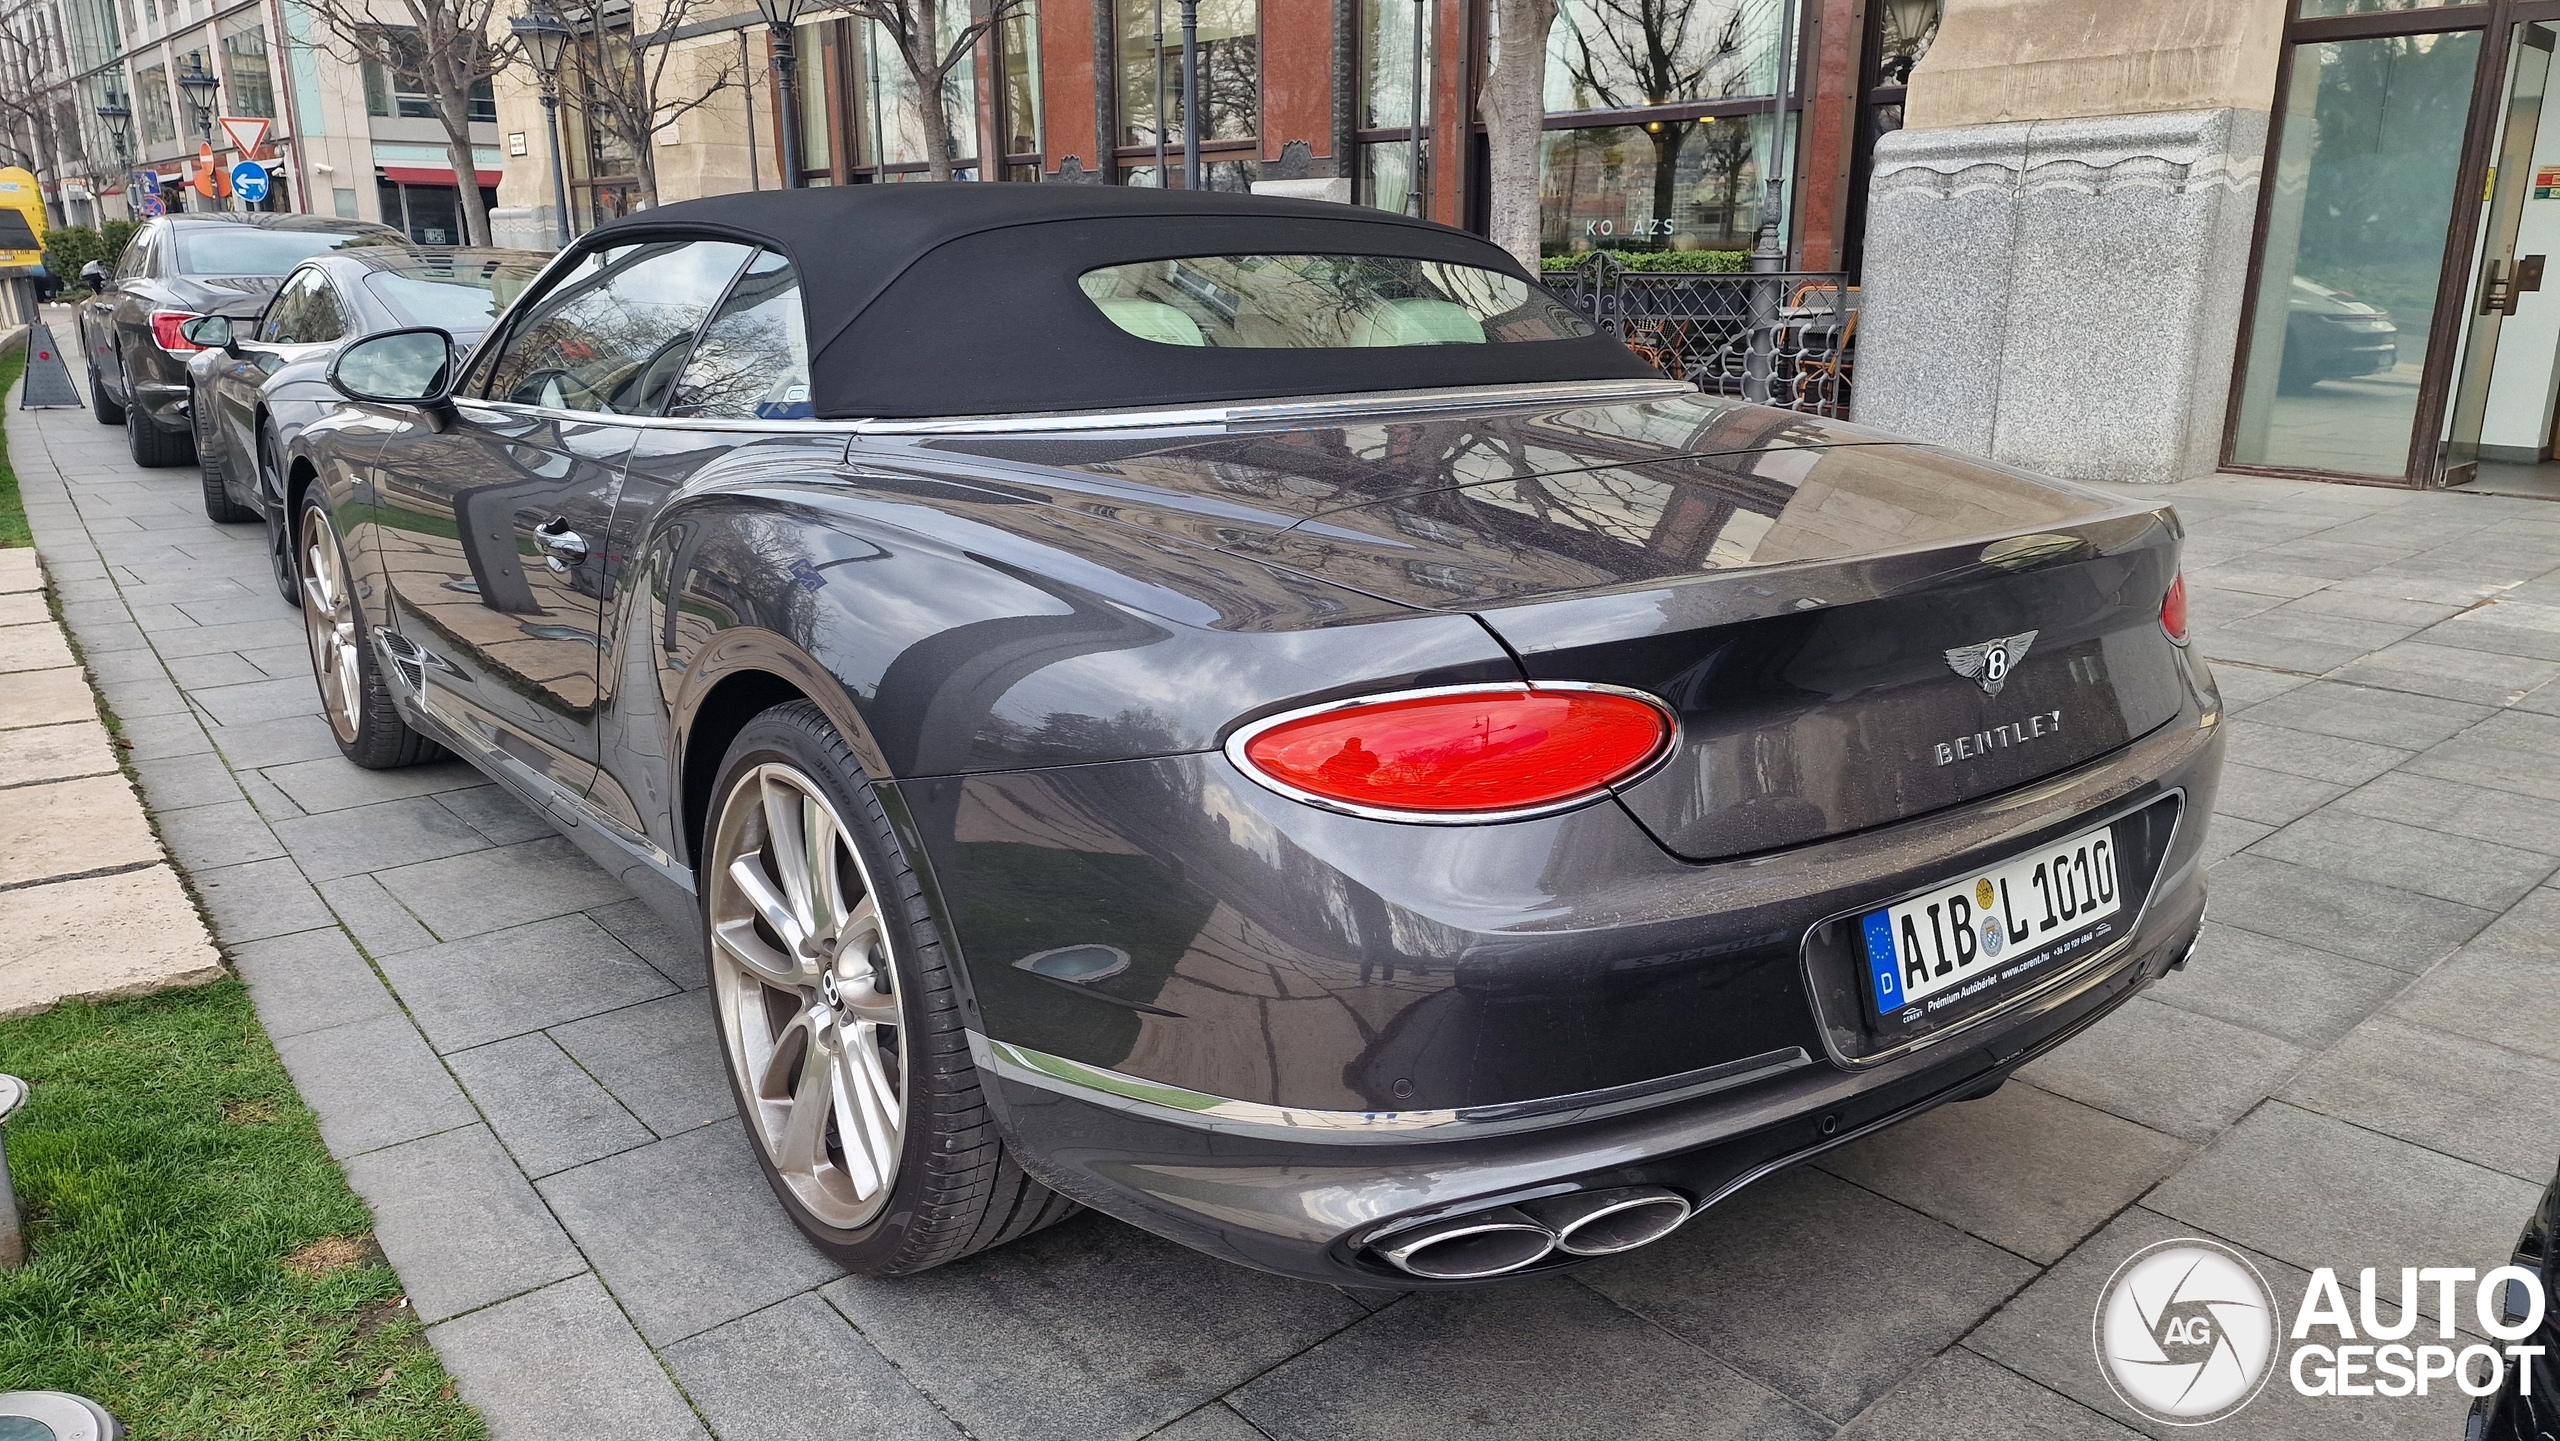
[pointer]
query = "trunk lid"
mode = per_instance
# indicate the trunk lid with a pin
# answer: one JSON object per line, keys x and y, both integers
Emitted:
{"x": 1852, "y": 635}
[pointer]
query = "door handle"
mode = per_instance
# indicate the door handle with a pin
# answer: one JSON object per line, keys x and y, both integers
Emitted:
{"x": 567, "y": 547}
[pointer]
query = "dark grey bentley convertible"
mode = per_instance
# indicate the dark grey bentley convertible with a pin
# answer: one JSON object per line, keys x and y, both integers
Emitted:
{"x": 1252, "y": 716}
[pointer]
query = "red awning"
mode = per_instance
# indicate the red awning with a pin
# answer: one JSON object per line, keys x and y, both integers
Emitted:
{"x": 434, "y": 175}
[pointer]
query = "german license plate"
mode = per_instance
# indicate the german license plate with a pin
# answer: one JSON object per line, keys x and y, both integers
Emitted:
{"x": 1941, "y": 951}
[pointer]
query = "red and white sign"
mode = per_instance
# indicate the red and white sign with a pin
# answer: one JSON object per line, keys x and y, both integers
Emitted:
{"x": 246, "y": 135}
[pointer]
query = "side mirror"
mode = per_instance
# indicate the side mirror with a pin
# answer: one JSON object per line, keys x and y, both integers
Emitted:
{"x": 213, "y": 332}
{"x": 396, "y": 367}
{"x": 94, "y": 274}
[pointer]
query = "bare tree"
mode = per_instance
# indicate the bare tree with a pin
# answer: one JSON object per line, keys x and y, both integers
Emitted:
{"x": 931, "y": 46}
{"x": 31, "y": 60}
{"x": 621, "y": 81}
{"x": 1514, "y": 104}
{"x": 450, "y": 47}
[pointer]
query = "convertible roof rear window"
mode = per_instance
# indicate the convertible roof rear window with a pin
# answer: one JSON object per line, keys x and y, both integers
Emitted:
{"x": 1324, "y": 302}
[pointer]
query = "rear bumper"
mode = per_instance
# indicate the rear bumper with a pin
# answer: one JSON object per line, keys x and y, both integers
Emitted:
{"x": 1306, "y": 1209}
{"x": 1288, "y": 1183}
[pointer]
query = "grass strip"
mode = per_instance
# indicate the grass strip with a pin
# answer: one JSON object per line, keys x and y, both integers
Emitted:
{"x": 197, "y": 1262}
{"x": 13, "y": 513}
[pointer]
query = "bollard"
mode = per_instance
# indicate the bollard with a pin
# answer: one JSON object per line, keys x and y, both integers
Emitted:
{"x": 13, "y": 1241}
{"x": 55, "y": 1416}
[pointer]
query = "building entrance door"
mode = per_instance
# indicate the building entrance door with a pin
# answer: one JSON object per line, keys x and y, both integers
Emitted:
{"x": 2501, "y": 412}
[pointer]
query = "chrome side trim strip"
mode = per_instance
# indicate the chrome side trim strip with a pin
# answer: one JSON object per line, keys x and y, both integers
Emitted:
{"x": 1276, "y": 412}
{"x": 1292, "y": 411}
{"x": 1160, "y": 1101}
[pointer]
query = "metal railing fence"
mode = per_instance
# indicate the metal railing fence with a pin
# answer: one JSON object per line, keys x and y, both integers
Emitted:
{"x": 1785, "y": 338}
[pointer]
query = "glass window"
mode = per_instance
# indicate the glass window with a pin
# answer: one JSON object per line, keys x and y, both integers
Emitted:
{"x": 1386, "y": 173}
{"x": 753, "y": 362}
{"x": 250, "y": 90}
{"x": 1386, "y": 67}
{"x": 1230, "y": 58}
{"x": 2362, "y": 191}
{"x": 1668, "y": 185}
{"x": 398, "y": 89}
{"x": 1906, "y": 30}
{"x": 1324, "y": 302}
{"x": 611, "y": 335}
{"x": 151, "y": 104}
{"x": 1622, "y": 54}
{"x": 896, "y": 135}
{"x": 246, "y": 250}
{"x": 2313, "y": 9}
{"x": 136, "y": 260}
{"x": 1021, "y": 52}
{"x": 282, "y": 323}
{"x": 817, "y": 94}
{"x": 464, "y": 299}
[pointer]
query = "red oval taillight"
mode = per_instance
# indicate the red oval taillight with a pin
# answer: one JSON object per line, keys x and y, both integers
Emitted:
{"x": 2173, "y": 610}
{"x": 164, "y": 331}
{"x": 1480, "y": 752}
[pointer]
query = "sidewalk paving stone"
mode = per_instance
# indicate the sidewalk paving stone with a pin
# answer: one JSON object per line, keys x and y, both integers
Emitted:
{"x": 72, "y": 828}
{"x": 32, "y": 755}
{"x": 460, "y": 1222}
{"x": 563, "y": 1362}
{"x": 798, "y": 1369}
{"x": 100, "y": 939}
{"x": 547, "y": 1110}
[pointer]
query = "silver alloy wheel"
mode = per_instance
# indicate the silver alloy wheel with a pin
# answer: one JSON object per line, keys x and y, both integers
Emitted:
{"x": 329, "y": 619}
{"x": 801, "y": 973}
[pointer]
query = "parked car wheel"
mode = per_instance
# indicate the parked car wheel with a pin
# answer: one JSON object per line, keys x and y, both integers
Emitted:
{"x": 839, "y": 1018}
{"x": 153, "y": 447}
{"x": 106, "y": 410}
{"x": 219, "y": 507}
{"x": 280, "y": 558}
{"x": 353, "y": 695}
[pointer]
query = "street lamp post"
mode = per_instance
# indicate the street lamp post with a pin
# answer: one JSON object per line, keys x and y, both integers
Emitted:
{"x": 780, "y": 16}
{"x": 544, "y": 36}
{"x": 1191, "y": 95}
{"x": 119, "y": 116}
{"x": 200, "y": 85}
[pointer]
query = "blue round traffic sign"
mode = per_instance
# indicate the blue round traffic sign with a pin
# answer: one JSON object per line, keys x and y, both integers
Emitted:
{"x": 249, "y": 181}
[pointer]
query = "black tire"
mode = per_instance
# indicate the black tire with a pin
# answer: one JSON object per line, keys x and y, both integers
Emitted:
{"x": 152, "y": 447}
{"x": 955, "y": 1189}
{"x": 279, "y": 516}
{"x": 106, "y": 410}
{"x": 355, "y": 701}
{"x": 219, "y": 507}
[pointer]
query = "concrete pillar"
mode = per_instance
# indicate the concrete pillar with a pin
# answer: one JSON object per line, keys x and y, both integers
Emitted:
{"x": 2058, "y": 242}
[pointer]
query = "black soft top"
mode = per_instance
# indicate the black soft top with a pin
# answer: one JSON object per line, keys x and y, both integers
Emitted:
{"x": 961, "y": 298}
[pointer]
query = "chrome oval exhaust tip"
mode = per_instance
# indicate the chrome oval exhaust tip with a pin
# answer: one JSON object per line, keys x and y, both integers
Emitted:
{"x": 1470, "y": 1247}
{"x": 1604, "y": 1223}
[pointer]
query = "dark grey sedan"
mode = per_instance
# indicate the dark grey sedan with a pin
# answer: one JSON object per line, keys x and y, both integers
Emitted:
{"x": 1253, "y": 716}
{"x": 174, "y": 269}
{"x": 256, "y": 383}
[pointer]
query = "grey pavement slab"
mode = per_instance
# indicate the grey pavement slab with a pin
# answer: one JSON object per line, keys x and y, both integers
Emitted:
{"x": 2491, "y": 994}
{"x": 2027, "y": 1170}
{"x": 2292, "y": 992}
{"x": 2467, "y": 1098}
{"x": 563, "y": 1362}
{"x": 373, "y": 1084}
{"x": 2452, "y": 672}
{"x": 550, "y": 1113}
{"x": 2312, "y": 1190}
{"x": 2350, "y": 915}
{"x": 2353, "y": 712}
{"x": 380, "y": 924}
{"x": 2173, "y": 1070}
{"x": 504, "y": 983}
{"x": 366, "y": 838}
{"x": 460, "y": 1222}
{"x": 263, "y": 898}
{"x": 2477, "y": 873}
{"x": 799, "y": 1369}
{"x": 2273, "y": 798}
{"x": 1962, "y": 1397}
{"x": 1826, "y": 1292}
{"x": 491, "y": 890}
{"x": 495, "y": 815}
{"x": 660, "y": 1058}
{"x": 2045, "y": 1335}
{"x": 1449, "y": 1364}
{"x": 2502, "y": 817}
{"x": 1090, "y": 1329}
{"x": 686, "y": 1232}
{"x": 311, "y": 981}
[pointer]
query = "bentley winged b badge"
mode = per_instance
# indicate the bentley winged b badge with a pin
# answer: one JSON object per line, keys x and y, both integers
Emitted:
{"x": 1990, "y": 661}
